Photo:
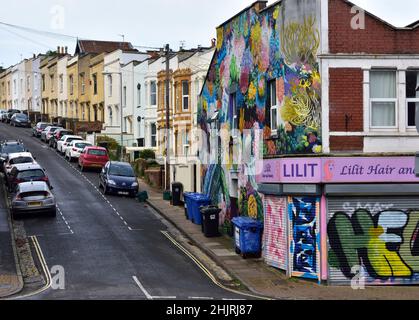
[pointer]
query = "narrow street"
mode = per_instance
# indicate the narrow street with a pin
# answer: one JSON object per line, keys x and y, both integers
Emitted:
{"x": 110, "y": 247}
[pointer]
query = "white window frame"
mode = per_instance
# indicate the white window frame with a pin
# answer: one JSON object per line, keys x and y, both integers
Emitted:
{"x": 110, "y": 85}
{"x": 185, "y": 96}
{"x": 410, "y": 100}
{"x": 273, "y": 106}
{"x": 235, "y": 116}
{"x": 153, "y": 135}
{"x": 153, "y": 93}
{"x": 61, "y": 83}
{"x": 71, "y": 84}
{"x": 51, "y": 78}
{"x": 83, "y": 84}
{"x": 395, "y": 100}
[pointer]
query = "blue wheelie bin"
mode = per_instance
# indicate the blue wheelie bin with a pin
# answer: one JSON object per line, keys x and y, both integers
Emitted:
{"x": 186, "y": 203}
{"x": 194, "y": 201}
{"x": 248, "y": 236}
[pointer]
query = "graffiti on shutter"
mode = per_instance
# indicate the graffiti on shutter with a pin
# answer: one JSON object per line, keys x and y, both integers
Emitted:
{"x": 379, "y": 237}
{"x": 304, "y": 252}
{"x": 275, "y": 233}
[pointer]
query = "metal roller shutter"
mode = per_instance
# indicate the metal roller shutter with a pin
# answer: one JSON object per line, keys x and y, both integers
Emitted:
{"x": 275, "y": 232}
{"x": 304, "y": 237}
{"x": 374, "y": 240}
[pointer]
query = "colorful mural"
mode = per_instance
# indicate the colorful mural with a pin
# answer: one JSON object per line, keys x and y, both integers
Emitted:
{"x": 275, "y": 232}
{"x": 304, "y": 236}
{"x": 254, "y": 49}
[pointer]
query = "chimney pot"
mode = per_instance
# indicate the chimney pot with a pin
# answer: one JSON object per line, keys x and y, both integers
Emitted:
{"x": 66, "y": 50}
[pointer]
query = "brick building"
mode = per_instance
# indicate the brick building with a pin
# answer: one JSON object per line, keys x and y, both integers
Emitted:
{"x": 329, "y": 92}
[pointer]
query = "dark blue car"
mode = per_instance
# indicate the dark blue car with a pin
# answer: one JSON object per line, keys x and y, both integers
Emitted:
{"x": 118, "y": 178}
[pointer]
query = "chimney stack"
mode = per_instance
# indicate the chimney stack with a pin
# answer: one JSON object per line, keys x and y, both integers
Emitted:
{"x": 58, "y": 50}
{"x": 213, "y": 42}
{"x": 66, "y": 50}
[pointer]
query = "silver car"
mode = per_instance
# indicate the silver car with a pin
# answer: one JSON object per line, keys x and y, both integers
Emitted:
{"x": 33, "y": 197}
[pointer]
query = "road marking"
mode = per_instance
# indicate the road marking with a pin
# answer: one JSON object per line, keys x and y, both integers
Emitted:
{"x": 148, "y": 296}
{"x": 201, "y": 298}
{"x": 206, "y": 271}
{"x": 95, "y": 188}
{"x": 65, "y": 220}
{"x": 45, "y": 269}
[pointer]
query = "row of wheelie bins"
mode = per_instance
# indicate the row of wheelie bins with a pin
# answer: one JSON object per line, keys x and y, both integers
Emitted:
{"x": 199, "y": 210}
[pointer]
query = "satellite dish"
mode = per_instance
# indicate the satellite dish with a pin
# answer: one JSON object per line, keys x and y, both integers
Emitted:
{"x": 139, "y": 119}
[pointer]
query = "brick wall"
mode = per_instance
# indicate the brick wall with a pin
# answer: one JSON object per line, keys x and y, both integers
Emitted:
{"x": 346, "y": 99}
{"x": 349, "y": 144}
{"x": 377, "y": 37}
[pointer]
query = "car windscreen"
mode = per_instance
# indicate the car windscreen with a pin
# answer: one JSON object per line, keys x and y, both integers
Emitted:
{"x": 72, "y": 139}
{"x": 13, "y": 148}
{"x": 22, "y": 116}
{"x": 21, "y": 160}
{"x": 52, "y": 130}
{"x": 33, "y": 173}
{"x": 81, "y": 145}
{"x": 43, "y": 126}
{"x": 97, "y": 152}
{"x": 121, "y": 170}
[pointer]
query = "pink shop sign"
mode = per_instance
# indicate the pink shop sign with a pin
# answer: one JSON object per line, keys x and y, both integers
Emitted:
{"x": 364, "y": 169}
{"x": 337, "y": 170}
{"x": 292, "y": 170}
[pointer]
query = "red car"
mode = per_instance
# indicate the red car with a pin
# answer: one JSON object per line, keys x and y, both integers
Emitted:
{"x": 93, "y": 157}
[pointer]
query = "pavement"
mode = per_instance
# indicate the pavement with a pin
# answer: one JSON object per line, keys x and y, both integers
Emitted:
{"x": 10, "y": 277}
{"x": 256, "y": 275}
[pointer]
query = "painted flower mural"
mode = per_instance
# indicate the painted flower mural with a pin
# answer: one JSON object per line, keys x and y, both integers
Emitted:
{"x": 255, "y": 49}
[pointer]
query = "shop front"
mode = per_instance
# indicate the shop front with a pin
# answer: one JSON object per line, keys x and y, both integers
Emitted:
{"x": 340, "y": 219}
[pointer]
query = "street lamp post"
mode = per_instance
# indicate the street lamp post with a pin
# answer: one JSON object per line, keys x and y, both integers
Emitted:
{"x": 120, "y": 111}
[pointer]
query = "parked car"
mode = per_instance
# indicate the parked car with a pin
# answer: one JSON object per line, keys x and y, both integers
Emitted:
{"x": 47, "y": 133}
{"x": 33, "y": 197}
{"x": 93, "y": 157}
{"x": 25, "y": 173}
{"x": 10, "y": 113}
{"x": 74, "y": 149}
{"x": 20, "y": 120}
{"x": 17, "y": 158}
{"x": 57, "y": 136}
{"x": 2, "y": 115}
{"x": 119, "y": 178}
{"x": 65, "y": 141}
{"x": 40, "y": 126}
{"x": 8, "y": 147}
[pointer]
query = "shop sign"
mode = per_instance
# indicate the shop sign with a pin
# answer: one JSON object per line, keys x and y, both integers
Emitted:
{"x": 338, "y": 170}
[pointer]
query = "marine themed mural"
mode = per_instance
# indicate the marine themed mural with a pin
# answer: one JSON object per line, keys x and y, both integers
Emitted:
{"x": 263, "y": 57}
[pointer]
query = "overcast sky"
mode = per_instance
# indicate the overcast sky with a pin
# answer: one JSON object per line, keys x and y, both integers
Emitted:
{"x": 149, "y": 23}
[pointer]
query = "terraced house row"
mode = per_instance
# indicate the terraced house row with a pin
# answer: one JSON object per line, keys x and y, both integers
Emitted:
{"x": 111, "y": 88}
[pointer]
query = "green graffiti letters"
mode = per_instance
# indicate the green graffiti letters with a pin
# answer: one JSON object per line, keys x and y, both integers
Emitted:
{"x": 386, "y": 244}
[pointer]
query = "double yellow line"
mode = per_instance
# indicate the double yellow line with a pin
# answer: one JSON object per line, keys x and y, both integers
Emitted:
{"x": 45, "y": 269}
{"x": 206, "y": 271}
